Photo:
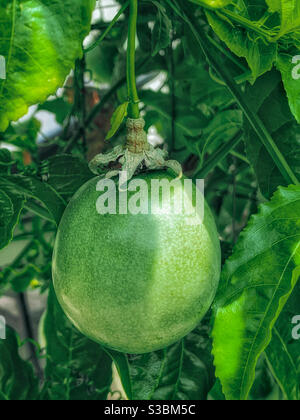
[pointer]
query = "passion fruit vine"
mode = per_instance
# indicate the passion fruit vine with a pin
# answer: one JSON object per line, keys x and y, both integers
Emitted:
{"x": 135, "y": 282}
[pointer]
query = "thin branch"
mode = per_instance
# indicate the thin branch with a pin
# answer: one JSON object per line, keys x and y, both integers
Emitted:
{"x": 108, "y": 29}
{"x": 95, "y": 111}
{"x": 172, "y": 88}
{"x": 29, "y": 333}
{"x": 133, "y": 108}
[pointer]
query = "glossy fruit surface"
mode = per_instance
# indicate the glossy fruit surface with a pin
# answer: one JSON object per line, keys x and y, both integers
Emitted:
{"x": 134, "y": 283}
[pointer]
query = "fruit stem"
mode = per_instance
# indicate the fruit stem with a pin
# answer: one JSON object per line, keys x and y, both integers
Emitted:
{"x": 133, "y": 108}
{"x": 136, "y": 136}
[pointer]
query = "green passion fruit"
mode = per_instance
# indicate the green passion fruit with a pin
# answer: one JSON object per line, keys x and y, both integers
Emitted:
{"x": 135, "y": 282}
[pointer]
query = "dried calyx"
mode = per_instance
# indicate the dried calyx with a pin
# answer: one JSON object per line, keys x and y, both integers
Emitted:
{"x": 136, "y": 156}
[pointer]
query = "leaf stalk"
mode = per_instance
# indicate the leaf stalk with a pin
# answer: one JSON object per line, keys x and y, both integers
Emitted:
{"x": 133, "y": 108}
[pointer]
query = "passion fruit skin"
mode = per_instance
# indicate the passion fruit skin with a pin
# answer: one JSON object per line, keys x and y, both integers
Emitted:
{"x": 134, "y": 283}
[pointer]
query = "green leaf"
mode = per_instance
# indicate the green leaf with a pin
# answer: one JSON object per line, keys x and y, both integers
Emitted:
{"x": 106, "y": 54}
{"x": 24, "y": 135}
{"x": 287, "y": 64}
{"x": 222, "y": 128}
{"x": 17, "y": 380}
{"x": 21, "y": 280}
{"x": 58, "y": 106}
{"x": 66, "y": 173}
{"x": 161, "y": 38}
{"x": 117, "y": 119}
{"x": 289, "y": 11}
{"x": 267, "y": 99}
{"x": 188, "y": 123}
{"x": 183, "y": 371}
{"x": 256, "y": 284}
{"x": 35, "y": 208}
{"x": 10, "y": 208}
{"x": 77, "y": 368}
{"x": 216, "y": 393}
{"x": 264, "y": 385}
{"x": 216, "y": 4}
{"x": 30, "y": 187}
{"x": 255, "y": 122}
{"x": 283, "y": 351}
{"x": 259, "y": 54}
{"x": 27, "y": 132}
{"x": 5, "y": 160}
{"x": 121, "y": 362}
{"x": 40, "y": 41}
{"x": 7, "y": 208}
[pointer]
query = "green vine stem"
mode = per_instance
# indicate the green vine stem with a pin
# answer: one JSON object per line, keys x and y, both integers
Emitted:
{"x": 137, "y": 154}
{"x": 98, "y": 108}
{"x": 108, "y": 29}
{"x": 133, "y": 108}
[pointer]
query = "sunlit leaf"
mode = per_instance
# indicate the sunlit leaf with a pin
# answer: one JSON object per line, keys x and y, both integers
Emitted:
{"x": 256, "y": 284}
{"x": 289, "y": 68}
{"x": 40, "y": 41}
